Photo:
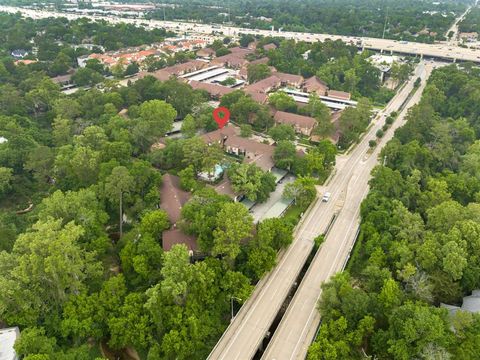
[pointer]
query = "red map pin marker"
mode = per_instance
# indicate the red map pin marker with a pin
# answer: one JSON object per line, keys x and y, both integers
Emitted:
{"x": 221, "y": 120}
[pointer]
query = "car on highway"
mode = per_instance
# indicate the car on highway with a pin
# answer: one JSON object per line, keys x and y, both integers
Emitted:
{"x": 326, "y": 196}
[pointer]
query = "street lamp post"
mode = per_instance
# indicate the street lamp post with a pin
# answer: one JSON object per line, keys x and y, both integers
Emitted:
{"x": 231, "y": 305}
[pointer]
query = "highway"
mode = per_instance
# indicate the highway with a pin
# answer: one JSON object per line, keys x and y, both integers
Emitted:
{"x": 297, "y": 328}
{"x": 454, "y": 39}
{"x": 244, "y": 335}
{"x": 439, "y": 50}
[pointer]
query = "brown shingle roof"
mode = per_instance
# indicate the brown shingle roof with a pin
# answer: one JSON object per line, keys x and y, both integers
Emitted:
{"x": 176, "y": 236}
{"x": 225, "y": 188}
{"x": 261, "y": 98}
{"x": 289, "y": 78}
{"x": 239, "y": 51}
{"x": 305, "y": 122}
{"x": 214, "y": 90}
{"x": 270, "y": 46}
{"x": 314, "y": 84}
{"x": 161, "y": 75}
{"x": 184, "y": 68}
{"x": 172, "y": 197}
{"x": 258, "y": 153}
{"x": 264, "y": 86}
{"x": 219, "y": 135}
{"x": 206, "y": 52}
{"x": 232, "y": 60}
{"x": 263, "y": 60}
{"x": 339, "y": 94}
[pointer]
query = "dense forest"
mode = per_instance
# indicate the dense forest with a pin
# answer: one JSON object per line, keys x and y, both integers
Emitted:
{"x": 471, "y": 23}
{"x": 419, "y": 240}
{"x": 401, "y": 19}
{"x": 82, "y": 266}
{"x": 412, "y": 20}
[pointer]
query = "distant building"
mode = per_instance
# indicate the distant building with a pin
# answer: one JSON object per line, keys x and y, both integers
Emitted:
{"x": 216, "y": 91}
{"x": 206, "y": 53}
{"x": 300, "y": 123}
{"x": 64, "y": 81}
{"x": 8, "y": 336}
{"x": 469, "y": 36}
{"x": 19, "y": 54}
{"x": 25, "y": 62}
{"x": 342, "y": 95}
{"x": 316, "y": 85}
{"x": 289, "y": 79}
{"x": 270, "y": 46}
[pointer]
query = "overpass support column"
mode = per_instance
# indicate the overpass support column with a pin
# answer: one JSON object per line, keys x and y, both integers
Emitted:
{"x": 421, "y": 56}
{"x": 391, "y": 52}
{"x": 454, "y": 60}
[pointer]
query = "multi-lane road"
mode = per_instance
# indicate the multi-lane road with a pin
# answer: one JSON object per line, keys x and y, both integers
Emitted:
{"x": 440, "y": 50}
{"x": 297, "y": 329}
{"x": 348, "y": 187}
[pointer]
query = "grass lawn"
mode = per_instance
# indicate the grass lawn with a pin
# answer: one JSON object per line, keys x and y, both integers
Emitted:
{"x": 293, "y": 213}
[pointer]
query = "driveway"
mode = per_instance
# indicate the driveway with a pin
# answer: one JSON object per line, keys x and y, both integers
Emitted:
{"x": 259, "y": 211}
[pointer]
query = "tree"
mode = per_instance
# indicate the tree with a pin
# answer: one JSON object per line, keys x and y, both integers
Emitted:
{"x": 45, "y": 268}
{"x": 222, "y": 52}
{"x": 86, "y": 77}
{"x": 284, "y": 154}
{"x": 261, "y": 260}
{"x": 412, "y": 327}
{"x": 302, "y": 191}
{"x": 256, "y": 72}
{"x": 282, "y": 132}
{"x": 314, "y": 161}
{"x": 187, "y": 178}
{"x": 61, "y": 131}
{"x": 131, "y": 324}
{"x": 67, "y": 108}
{"x": 95, "y": 65}
{"x": 246, "y": 130}
{"x": 251, "y": 181}
{"x": 61, "y": 64}
{"x": 118, "y": 183}
{"x": 156, "y": 119}
{"x": 201, "y": 156}
{"x": 132, "y": 69}
{"x": 189, "y": 126}
{"x": 194, "y": 150}
{"x": 84, "y": 209}
{"x": 282, "y": 101}
{"x": 6, "y": 177}
{"x": 246, "y": 39}
{"x": 199, "y": 215}
{"x": 234, "y": 225}
{"x": 275, "y": 232}
{"x": 154, "y": 223}
{"x": 33, "y": 341}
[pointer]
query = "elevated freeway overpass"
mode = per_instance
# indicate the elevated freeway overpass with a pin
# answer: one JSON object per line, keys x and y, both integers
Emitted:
{"x": 439, "y": 51}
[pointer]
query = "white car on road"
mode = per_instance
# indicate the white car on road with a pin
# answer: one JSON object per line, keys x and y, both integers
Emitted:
{"x": 326, "y": 197}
